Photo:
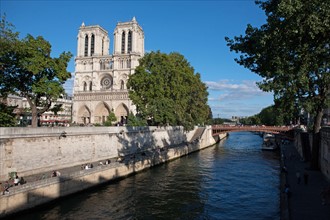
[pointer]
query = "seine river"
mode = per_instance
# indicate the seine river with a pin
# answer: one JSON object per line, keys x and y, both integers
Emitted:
{"x": 233, "y": 180}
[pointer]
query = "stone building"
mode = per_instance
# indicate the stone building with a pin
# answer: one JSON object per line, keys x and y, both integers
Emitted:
{"x": 48, "y": 118}
{"x": 101, "y": 77}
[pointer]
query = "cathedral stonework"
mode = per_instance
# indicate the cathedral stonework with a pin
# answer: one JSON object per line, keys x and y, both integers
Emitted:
{"x": 100, "y": 77}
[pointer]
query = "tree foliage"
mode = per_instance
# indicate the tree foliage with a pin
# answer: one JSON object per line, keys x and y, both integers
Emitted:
{"x": 273, "y": 116}
{"x": 220, "y": 121}
{"x": 7, "y": 117}
{"x": 269, "y": 116}
{"x": 110, "y": 119}
{"x": 167, "y": 91}
{"x": 252, "y": 120}
{"x": 135, "y": 120}
{"x": 28, "y": 70}
{"x": 291, "y": 53}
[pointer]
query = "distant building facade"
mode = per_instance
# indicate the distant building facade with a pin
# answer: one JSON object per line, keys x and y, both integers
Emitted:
{"x": 101, "y": 78}
{"x": 62, "y": 117}
{"x": 48, "y": 118}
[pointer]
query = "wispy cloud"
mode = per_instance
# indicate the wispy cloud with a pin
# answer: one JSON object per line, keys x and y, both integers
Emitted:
{"x": 231, "y": 90}
{"x": 236, "y": 98}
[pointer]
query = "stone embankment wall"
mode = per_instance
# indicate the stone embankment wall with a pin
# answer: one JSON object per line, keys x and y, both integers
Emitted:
{"x": 325, "y": 152}
{"x": 303, "y": 144}
{"x": 37, "y": 150}
{"x": 30, "y": 151}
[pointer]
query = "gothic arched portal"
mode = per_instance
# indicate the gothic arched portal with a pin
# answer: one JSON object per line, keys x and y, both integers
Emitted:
{"x": 121, "y": 113}
{"x": 101, "y": 113}
{"x": 84, "y": 115}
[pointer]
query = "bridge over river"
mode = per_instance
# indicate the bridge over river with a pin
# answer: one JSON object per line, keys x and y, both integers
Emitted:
{"x": 282, "y": 130}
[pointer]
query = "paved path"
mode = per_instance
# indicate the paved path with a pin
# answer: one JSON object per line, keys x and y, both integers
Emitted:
{"x": 305, "y": 201}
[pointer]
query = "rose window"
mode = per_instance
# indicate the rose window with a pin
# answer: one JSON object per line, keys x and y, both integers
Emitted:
{"x": 106, "y": 82}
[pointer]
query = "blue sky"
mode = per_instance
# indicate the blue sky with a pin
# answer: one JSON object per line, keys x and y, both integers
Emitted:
{"x": 196, "y": 29}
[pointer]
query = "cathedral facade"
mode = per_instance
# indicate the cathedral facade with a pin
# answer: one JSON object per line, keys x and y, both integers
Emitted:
{"x": 100, "y": 77}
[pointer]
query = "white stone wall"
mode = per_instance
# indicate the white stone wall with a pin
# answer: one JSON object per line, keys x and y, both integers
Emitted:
{"x": 37, "y": 150}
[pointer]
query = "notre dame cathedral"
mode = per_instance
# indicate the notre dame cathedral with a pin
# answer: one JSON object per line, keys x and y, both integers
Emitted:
{"x": 101, "y": 77}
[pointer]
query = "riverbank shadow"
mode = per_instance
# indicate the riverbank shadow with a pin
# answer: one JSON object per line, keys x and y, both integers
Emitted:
{"x": 150, "y": 145}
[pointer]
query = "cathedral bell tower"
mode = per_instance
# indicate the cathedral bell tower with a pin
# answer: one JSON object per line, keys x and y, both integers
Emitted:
{"x": 101, "y": 78}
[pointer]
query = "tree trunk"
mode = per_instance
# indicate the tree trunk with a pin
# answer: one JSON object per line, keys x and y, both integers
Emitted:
{"x": 34, "y": 122}
{"x": 316, "y": 140}
{"x": 34, "y": 112}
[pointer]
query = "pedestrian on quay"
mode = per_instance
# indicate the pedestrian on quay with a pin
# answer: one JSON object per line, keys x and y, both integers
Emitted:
{"x": 284, "y": 169}
{"x": 54, "y": 174}
{"x": 5, "y": 188}
{"x": 287, "y": 190}
{"x": 306, "y": 176}
{"x": 298, "y": 177}
{"x": 2, "y": 189}
{"x": 325, "y": 195}
{"x": 16, "y": 181}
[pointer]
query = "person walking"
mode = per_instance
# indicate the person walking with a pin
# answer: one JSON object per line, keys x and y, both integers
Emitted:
{"x": 306, "y": 175}
{"x": 298, "y": 177}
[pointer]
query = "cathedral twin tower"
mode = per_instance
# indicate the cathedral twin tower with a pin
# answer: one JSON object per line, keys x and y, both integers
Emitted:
{"x": 101, "y": 78}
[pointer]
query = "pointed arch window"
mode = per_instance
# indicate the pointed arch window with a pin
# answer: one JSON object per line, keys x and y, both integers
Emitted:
{"x": 102, "y": 45}
{"x": 92, "y": 44}
{"x": 122, "y": 85}
{"x": 123, "y": 42}
{"x": 86, "y": 46}
{"x": 90, "y": 86}
{"x": 102, "y": 65}
{"x": 129, "y": 43}
{"x": 128, "y": 64}
{"x": 85, "y": 86}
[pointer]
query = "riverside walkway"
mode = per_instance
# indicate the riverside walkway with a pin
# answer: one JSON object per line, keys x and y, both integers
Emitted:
{"x": 305, "y": 201}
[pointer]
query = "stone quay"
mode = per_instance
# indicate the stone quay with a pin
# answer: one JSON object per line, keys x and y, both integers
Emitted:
{"x": 34, "y": 153}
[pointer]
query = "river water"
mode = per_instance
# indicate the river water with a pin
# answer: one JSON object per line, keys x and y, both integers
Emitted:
{"x": 232, "y": 180}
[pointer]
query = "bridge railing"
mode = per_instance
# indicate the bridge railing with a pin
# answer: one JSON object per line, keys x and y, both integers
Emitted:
{"x": 217, "y": 129}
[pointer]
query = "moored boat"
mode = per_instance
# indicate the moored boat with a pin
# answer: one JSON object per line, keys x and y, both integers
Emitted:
{"x": 269, "y": 142}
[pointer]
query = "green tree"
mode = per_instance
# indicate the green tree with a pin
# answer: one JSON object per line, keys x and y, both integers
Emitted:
{"x": 110, "y": 119}
{"x": 217, "y": 121}
{"x": 167, "y": 91}
{"x": 135, "y": 120}
{"x": 252, "y": 120}
{"x": 28, "y": 70}
{"x": 7, "y": 117}
{"x": 271, "y": 116}
{"x": 291, "y": 53}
